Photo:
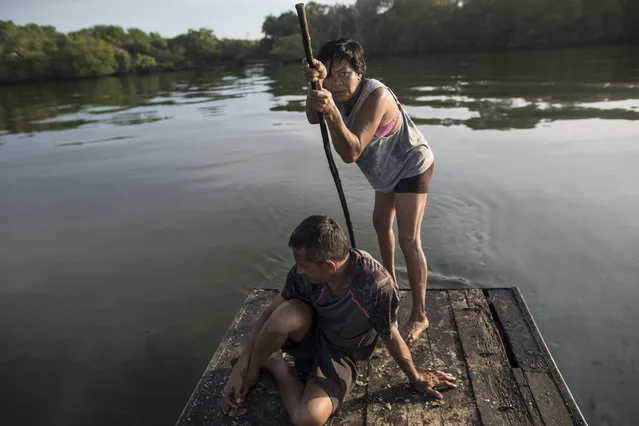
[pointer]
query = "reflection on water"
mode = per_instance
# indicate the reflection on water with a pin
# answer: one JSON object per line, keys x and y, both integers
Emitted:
{"x": 477, "y": 91}
{"x": 132, "y": 118}
{"x": 89, "y": 142}
{"x": 116, "y": 101}
{"x": 492, "y": 91}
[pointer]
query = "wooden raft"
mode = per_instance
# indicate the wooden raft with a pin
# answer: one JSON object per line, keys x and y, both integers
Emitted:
{"x": 485, "y": 337}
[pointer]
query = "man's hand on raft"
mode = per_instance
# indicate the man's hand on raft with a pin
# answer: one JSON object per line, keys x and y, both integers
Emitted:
{"x": 241, "y": 380}
{"x": 235, "y": 389}
{"x": 429, "y": 383}
{"x": 233, "y": 393}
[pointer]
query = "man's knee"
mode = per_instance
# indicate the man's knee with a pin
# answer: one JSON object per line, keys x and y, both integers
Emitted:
{"x": 314, "y": 409}
{"x": 292, "y": 316}
{"x": 304, "y": 416}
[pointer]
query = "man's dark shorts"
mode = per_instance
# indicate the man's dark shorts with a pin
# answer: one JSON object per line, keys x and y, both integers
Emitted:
{"x": 316, "y": 362}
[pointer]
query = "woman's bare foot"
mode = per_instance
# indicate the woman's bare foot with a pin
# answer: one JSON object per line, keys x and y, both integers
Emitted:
{"x": 413, "y": 329}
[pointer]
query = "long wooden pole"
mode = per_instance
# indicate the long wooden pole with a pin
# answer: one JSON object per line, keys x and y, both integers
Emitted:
{"x": 306, "y": 40}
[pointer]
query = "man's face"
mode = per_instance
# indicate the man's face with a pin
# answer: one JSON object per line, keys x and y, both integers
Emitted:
{"x": 316, "y": 272}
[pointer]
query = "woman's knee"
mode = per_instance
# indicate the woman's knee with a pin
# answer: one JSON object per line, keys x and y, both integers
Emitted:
{"x": 291, "y": 316}
{"x": 382, "y": 222}
{"x": 384, "y": 212}
{"x": 410, "y": 243}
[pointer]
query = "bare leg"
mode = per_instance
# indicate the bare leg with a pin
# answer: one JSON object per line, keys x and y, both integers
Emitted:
{"x": 410, "y": 212}
{"x": 291, "y": 388}
{"x": 306, "y": 404}
{"x": 291, "y": 319}
{"x": 383, "y": 217}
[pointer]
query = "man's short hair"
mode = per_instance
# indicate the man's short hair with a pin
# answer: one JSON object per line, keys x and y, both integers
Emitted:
{"x": 321, "y": 238}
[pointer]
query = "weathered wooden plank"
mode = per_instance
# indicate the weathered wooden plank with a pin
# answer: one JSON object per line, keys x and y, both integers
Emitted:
{"x": 568, "y": 399}
{"x": 459, "y": 406}
{"x": 498, "y": 398}
{"x": 391, "y": 400}
{"x": 530, "y": 357}
{"x": 526, "y": 394}
{"x": 517, "y": 334}
{"x": 550, "y": 403}
{"x": 263, "y": 402}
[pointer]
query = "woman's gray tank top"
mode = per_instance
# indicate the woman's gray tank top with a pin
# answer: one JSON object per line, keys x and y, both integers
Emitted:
{"x": 387, "y": 160}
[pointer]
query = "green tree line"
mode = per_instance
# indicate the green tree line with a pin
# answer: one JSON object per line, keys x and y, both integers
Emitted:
{"x": 33, "y": 52}
{"x": 416, "y": 26}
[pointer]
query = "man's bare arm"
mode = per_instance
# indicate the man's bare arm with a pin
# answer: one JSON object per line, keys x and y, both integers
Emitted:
{"x": 424, "y": 382}
{"x": 401, "y": 354}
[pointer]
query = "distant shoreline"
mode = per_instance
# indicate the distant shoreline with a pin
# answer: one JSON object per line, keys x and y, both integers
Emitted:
{"x": 220, "y": 65}
{"x": 211, "y": 67}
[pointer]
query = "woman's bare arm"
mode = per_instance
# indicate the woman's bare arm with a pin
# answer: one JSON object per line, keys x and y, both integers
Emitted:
{"x": 350, "y": 144}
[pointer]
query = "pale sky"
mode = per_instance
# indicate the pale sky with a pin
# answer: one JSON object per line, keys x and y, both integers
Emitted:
{"x": 230, "y": 18}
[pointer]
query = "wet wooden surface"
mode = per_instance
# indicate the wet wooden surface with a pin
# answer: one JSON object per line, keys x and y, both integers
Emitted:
{"x": 485, "y": 337}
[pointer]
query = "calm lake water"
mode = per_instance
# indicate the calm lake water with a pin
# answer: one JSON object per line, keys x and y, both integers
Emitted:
{"x": 136, "y": 213}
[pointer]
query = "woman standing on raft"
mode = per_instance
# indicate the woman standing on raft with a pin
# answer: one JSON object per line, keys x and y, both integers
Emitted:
{"x": 368, "y": 126}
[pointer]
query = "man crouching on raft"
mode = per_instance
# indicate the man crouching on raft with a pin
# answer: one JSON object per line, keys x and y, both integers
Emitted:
{"x": 335, "y": 304}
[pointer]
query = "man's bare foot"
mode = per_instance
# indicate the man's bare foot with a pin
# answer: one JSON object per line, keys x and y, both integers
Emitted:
{"x": 413, "y": 329}
{"x": 276, "y": 364}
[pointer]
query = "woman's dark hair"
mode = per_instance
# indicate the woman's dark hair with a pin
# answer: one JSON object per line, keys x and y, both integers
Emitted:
{"x": 344, "y": 48}
{"x": 321, "y": 238}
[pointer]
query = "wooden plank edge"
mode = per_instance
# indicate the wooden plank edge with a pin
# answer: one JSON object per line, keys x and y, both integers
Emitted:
{"x": 490, "y": 372}
{"x": 564, "y": 391}
{"x": 529, "y": 400}
{"x": 503, "y": 305}
{"x": 509, "y": 341}
{"x": 236, "y": 320}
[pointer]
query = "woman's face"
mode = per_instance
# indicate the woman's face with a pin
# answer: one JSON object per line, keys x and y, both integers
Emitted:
{"x": 342, "y": 81}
